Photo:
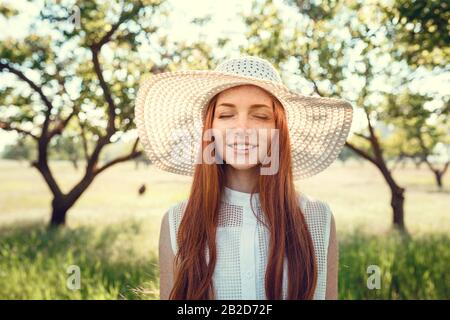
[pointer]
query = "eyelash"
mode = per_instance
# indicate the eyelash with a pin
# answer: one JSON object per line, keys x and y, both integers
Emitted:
{"x": 259, "y": 117}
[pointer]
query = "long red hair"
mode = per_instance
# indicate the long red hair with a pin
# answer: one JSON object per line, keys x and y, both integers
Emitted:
{"x": 289, "y": 234}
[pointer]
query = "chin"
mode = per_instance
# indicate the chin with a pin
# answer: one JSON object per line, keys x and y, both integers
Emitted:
{"x": 242, "y": 166}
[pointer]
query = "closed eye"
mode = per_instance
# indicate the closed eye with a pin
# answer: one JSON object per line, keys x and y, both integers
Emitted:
{"x": 225, "y": 116}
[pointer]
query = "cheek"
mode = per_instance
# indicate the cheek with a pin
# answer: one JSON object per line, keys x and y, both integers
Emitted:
{"x": 264, "y": 143}
{"x": 219, "y": 133}
{"x": 265, "y": 134}
{"x": 219, "y": 139}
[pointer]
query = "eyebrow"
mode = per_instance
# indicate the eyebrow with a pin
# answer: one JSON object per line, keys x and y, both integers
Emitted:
{"x": 253, "y": 106}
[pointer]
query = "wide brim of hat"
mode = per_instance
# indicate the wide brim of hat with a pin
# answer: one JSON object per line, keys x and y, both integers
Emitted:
{"x": 171, "y": 106}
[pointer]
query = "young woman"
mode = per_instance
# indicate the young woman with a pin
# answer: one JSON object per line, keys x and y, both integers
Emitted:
{"x": 244, "y": 232}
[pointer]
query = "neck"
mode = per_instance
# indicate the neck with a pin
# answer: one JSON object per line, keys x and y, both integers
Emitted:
{"x": 242, "y": 180}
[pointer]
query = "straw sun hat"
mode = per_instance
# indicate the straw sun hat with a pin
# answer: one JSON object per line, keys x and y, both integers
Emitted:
{"x": 171, "y": 106}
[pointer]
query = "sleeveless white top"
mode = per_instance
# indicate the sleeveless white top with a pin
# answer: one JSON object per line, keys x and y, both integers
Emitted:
{"x": 242, "y": 245}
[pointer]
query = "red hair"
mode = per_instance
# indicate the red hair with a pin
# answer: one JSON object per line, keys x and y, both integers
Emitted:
{"x": 289, "y": 234}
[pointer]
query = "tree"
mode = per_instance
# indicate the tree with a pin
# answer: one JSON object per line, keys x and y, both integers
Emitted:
{"x": 79, "y": 81}
{"x": 337, "y": 49}
{"x": 423, "y": 131}
{"x": 419, "y": 33}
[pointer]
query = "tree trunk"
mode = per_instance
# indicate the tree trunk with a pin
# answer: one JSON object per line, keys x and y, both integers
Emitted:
{"x": 438, "y": 176}
{"x": 397, "y": 203}
{"x": 397, "y": 197}
{"x": 75, "y": 163}
{"x": 59, "y": 212}
{"x": 63, "y": 202}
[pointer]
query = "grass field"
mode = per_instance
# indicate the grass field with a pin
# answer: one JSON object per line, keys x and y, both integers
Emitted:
{"x": 112, "y": 232}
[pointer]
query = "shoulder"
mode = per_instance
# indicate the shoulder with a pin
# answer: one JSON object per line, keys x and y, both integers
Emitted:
{"x": 319, "y": 219}
{"x": 176, "y": 210}
{"x": 177, "y": 205}
{"x": 173, "y": 218}
{"x": 315, "y": 210}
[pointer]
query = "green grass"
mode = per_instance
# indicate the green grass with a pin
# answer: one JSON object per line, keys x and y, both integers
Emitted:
{"x": 112, "y": 233}
{"x": 410, "y": 268}
{"x": 34, "y": 263}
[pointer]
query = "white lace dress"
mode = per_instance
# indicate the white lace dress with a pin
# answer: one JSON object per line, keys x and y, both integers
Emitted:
{"x": 243, "y": 242}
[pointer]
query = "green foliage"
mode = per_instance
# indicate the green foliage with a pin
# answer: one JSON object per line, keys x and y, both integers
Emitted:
{"x": 418, "y": 133}
{"x": 317, "y": 10}
{"x": 421, "y": 31}
{"x": 34, "y": 261}
{"x": 265, "y": 33}
{"x": 25, "y": 149}
{"x": 411, "y": 268}
{"x": 67, "y": 148}
{"x": 7, "y": 10}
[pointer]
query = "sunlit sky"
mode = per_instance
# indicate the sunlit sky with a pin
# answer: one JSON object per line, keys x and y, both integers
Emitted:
{"x": 225, "y": 21}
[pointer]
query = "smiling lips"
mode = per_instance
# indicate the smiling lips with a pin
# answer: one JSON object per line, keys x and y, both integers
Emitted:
{"x": 242, "y": 148}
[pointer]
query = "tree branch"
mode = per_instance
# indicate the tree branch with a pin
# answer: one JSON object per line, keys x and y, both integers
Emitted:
{"x": 36, "y": 88}
{"x": 361, "y": 153}
{"x": 106, "y": 92}
{"x": 377, "y": 151}
{"x": 47, "y": 174}
{"x": 133, "y": 154}
{"x": 124, "y": 16}
{"x": 425, "y": 152}
{"x": 8, "y": 127}
{"x": 41, "y": 164}
{"x": 445, "y": 167}
{"x": 61, "y": 124}
{"x": 362, "y": 136}
{"x": 83, "y": 139}
{"x": 95, "y": 49}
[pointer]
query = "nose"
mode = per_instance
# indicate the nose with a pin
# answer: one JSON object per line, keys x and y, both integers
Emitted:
{"x": 242, "y": 129}
{"x": 242, "y": 122}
